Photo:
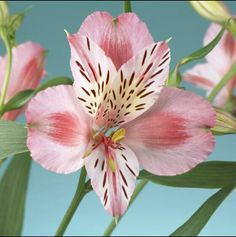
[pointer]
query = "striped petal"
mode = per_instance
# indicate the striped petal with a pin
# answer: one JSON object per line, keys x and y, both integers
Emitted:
{"x": 93, "y": 72}
{"x": 58, "y": 129}
{"x": 121, "y": 38}
{"x": 173, "y": 136}
{"x": 28, "y": 61}
{"x": 113, "y": 187}
{"x": 139, "y": 83}
{"x": 112, "y": 97}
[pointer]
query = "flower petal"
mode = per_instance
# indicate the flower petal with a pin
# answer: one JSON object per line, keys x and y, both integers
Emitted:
{"x": 223, "y": 55}
{"x": 58, "y": 129}
{"x": 93, "y": 72}
{"x": 173, "y": 136}
{"x": 27, "y": 71}
{"x": 121, "y": 38}
{"x": 206, "y": 77}
{"x": 113, "y": 188}
{"x": 139, "y": 83}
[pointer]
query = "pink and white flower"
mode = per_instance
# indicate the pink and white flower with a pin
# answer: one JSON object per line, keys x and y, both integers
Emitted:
{"x": 27, "y": 71}
{"x": 118, "y": 116}
{"x": 219, "y": 61}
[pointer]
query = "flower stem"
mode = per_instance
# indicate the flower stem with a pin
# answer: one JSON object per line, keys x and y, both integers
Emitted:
{"x": 228, "y": 76}
{"x": 115, "y": 222}
{"x": 127, "y": 6}
{"x": 8, "y": 68}
{"x": 79, "y": 194}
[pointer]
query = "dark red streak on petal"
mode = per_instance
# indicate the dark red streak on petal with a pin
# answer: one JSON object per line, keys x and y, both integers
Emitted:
{"x": 64, "y": 128}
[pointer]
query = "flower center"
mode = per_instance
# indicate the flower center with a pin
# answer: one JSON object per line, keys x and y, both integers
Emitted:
{"x": 110, "y": 140}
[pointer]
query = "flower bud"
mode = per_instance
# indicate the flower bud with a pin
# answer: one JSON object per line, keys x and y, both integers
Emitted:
{"x": 212, "y": 10}
{"x": 225, "y": 123}
{"x": 4, "y": 13}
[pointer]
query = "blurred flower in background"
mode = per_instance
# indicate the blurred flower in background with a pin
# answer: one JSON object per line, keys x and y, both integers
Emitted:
{"x": 28, "y": 61}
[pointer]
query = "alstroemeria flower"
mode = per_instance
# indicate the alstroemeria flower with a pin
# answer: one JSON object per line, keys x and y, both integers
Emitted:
{"x": 27, "y": 71}
{"x": 219, "y": 61}
{"x": 118, "y": 116}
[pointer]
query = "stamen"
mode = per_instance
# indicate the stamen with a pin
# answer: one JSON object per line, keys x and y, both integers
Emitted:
{"x": 118, "y": 135}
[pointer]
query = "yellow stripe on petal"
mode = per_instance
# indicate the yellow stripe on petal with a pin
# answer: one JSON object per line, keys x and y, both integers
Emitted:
{"x": 111, "y": 164}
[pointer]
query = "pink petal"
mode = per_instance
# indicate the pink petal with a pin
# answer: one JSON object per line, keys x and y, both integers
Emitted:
{"x": 139, "y": 83}
{"x": 121, "y": 38}
{"x": 173, "y": 136}
{"x": 223, "y": 55}
{"x": 93, "y": 72}
{"x": 206, "y": 76}
{"x": 113, "y": 188}
{"x": 59, "y": 129}
{"x": 27, "y": 71}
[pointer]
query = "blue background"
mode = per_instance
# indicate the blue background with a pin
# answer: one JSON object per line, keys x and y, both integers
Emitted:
{"x": 158, "y": 210}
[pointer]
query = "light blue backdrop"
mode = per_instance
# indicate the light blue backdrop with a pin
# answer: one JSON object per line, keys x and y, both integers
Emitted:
{"x": 158, "y": 210}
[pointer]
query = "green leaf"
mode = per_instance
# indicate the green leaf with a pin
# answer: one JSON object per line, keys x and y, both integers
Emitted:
{"x": 201, "y": 53}
{"x": 175, "y": 78}
{"x": 211, "y": 174}
{"x": 55, "y": 82}
{"x": 13, "y": 188}
{"x": 199, "y": 219}
{"x": 19, "y": 100}
{"x": 12, "y": 138}
{"x": 15, "y": 22}
{"x": 22, "y": 97}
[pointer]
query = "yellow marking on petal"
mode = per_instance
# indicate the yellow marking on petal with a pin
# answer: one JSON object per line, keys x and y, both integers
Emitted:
{"x": 87, "y": 153}
{"x": 118, "y": 135}
{"x": 111, "y": 164}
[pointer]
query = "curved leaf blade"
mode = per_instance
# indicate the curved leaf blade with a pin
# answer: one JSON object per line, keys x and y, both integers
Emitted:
{"x": 12, "y": 138}
{"x": 19, "y": 100}
{"x": 23, "y": 97}
{"x": 175, "y": 76}
{"x": 211, "y": 174}
{"x": 55, "y": 82}
{"x": 13, "y": 189}
{"x": 199, "y": 219}
{"x": 201, "y": 53}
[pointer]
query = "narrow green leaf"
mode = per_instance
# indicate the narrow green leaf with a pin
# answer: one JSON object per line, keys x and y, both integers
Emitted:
{"x": 21, "y": 98}
{"x": 13, "y": 188}
{"x": 199, "y": 219}
{"x": 55, "y": 82}
{"x": 211, "y": 174}
{"x": 175, "y": 78}
{"x": 12, "y": 138}
{"x": 201, "y": 53}
{"x": 15, "y": 22}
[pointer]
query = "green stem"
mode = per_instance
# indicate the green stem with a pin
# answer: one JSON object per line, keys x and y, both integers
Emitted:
{"x": 8, "y": 68}
{"x": 228, "y": 76}
{"x": 127, "y": 6}
{"x": 115, "y": 222}
{"x": 79, "y": 194}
